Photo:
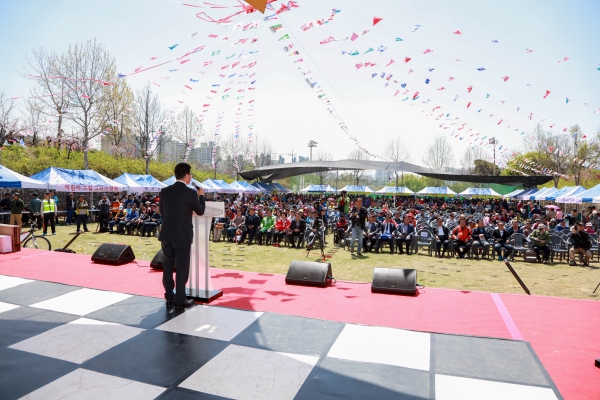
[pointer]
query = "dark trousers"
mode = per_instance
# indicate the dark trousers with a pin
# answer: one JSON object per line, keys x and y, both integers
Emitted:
{"x": 82, "y": 219}
{"x": 70, "y": 214}
{"x": 441, "y": 244}
{"x": 251, "y": 233}
{"x": 295, "y": 235}
{"x": 507, "y": 249}
{"x": 103, "y": 220}
{"x": 261, "y": 234}
{"x": 389, "y": 240}
{"x": 545, "y": 250}
{"x": 400, "y": 241}
{"x": 340, "y": 234}
{"x": 369, "y": 242}
{"x": 231, "y": 232}
{"x": 176, "y": 255}
{"x": 49, "y": 219}
{"x": 149, "y": 228}
{"x": 38, "y": 220}
{"x": 462, "y": 248}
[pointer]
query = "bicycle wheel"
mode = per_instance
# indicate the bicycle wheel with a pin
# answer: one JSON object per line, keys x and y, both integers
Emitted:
{"x": 37, "y": 242}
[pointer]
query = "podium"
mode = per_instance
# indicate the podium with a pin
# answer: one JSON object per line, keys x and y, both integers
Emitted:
{"x": 199, "y": 285}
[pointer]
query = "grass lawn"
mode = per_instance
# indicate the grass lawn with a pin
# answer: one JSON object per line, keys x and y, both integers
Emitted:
{"x": 557, "y": 279}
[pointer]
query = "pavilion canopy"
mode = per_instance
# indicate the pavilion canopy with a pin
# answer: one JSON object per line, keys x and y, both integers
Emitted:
{"x": 513, "y": 193}
{"x": 265, "y": 187}
{"x": 358, "y": 189}
{"x": 395, "y": 190}
{"x": 244, "y": 187}
{"x": 74, "y": 180}
{"x": 140, "y": 183}
{"x": 219, "y": 186}
{"x": 12, "y": 179}
{"x": 318, "y": 189}
{"x": 436, "y": 191}
{"x": 480, "y": 192}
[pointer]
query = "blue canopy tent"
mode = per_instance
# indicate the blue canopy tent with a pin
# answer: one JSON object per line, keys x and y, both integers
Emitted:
{"x": 172, "y": 180}
{"x": 12, "y": 179}
{"x": 74, "y": 180}
{"x": 265, "y": 187}
{"x": 395, "y": 190}
{"x": 526, "y": 194}
{"x": 567, "y": 191}
{"x": 140, "y": 183}
{"x": 513, "y": 194}
{"x": 283, "y": 189}
{"x": 479, "y": 192}
{"x": 244, "y": 187}
{"x": 360, "y": 189}
{"x": 582, "y": 197}
{"x": 541, "y": 195}
{"x": 436, "y": 191}
{"x": 219, "y": 186}
{"x": 318, "y": 189}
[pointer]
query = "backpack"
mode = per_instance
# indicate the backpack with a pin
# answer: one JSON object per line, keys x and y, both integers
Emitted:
{"x": 530, "y": 256}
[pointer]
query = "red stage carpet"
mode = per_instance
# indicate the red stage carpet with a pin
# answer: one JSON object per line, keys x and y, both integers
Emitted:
{"x": 564, "y": 333}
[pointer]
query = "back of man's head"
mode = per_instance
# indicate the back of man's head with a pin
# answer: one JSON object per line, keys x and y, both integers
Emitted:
{"x": 182, "y": 169}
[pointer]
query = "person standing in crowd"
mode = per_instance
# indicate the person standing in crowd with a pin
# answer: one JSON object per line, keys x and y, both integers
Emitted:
{"x": 35, "y": 208}
{"x": 581, "y": 243}
{"x": 70, "y": 207}
{"x": 5, "y": 205}
{"x": 461, "y": 236}
{"x": 541, "y": 239}
{"x": 55, "y": 198}
{"x": 177, "y": 205}
{"x": 82, "y": 214}
{"x": 16, "y": 210}
{"x": 343, "y": 203}
{"x": 114, "y": 206}
{"x": 442, "y": 234}
{"x": 358, "y": 219}
{"x": 500, "y": 237}
{"x": 103, "y": 213}
{"x": 49, "y": 209}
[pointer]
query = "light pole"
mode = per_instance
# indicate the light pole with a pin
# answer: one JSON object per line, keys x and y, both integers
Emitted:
{"x": 311, "y": 144}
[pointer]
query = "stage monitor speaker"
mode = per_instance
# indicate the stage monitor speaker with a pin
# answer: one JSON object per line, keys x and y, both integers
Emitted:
{"x": 113, "y": 254}
{"x": 394, "y": 280}
{"x": 157, "y": 261}
{"x": 309, "y": 273}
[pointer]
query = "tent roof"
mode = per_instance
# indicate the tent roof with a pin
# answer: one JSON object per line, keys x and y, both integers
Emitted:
{"x": 543, "y": 193}
{"x": 567, "y": 191}
{"x": 243, "y": 186}
{"x": 513, "y": 193}
{"x": 395, "y": 190}
{"x": 280, "y": 171}
{"x": 318, "y": 189}
{"x": 431, "y": 190}
{"x": 172, "y": 180}
{"x": 479, "y": 192}
{"x": 77, "y": 180}
{"x": 143, "y": 183}
{"x": 586, "y": 196}
{"x": 12, "y": 179}
{"x": 266, "y": 187}
{"x": 219, "y": 186}
{"x": 357, "y": 189}
{"x": 524, "y": 195}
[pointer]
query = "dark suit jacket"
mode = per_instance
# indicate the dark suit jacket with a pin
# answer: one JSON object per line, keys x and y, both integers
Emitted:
{"x": 302, "y": 227}
{"x": 496, "y": 236}
{"x": 384, "y": 228}
{"x": 177, "y": 203}
{"x": 409, "y": 231}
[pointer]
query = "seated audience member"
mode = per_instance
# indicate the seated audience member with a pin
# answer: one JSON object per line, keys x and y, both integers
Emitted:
{"x": 589, "y": 228}
{"x": 297, "y": 228}
{"x": 387, "y": 231}
{"x": 139, "y": 222}
{"x": 552, "y": 225}
{"x": 219, "y": 226}
{"x": 370, "y": 234}
{"x": 341, "y": 229}
{"x": 442, "y": 234}
{"x": 514, "y": 228}
{"x": 480, "y": 240}
{"x": 541, "y": 240}
{"x": 152, "y": 222}
{"x": 266, "y": 228}
{"x": 581, "y": 243}
{"x": 114, "y": 206}
{"x": 129, "y": 221}
{"x": 252, "y": 224}
{"x": 461, "y": 236}
{"x": 238, "y": 223}
{"x": 527, "y": 229}
{"x": 282, "y": 227}
{"x": 561, "y": 226}
{"x": 500, "y": 237}
{"x": 404, "y": 235}
{"x": 316, "y": 232}
{"x": 117, "y": 220}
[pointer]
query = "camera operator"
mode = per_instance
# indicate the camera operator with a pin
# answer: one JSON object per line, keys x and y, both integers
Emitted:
{"x": 357, "y": 217}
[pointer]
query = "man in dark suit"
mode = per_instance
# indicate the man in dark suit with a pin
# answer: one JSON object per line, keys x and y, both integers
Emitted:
{"x": 404, "y": 235}
{"x": 371, "y": 234}
{"x": 500, "y": 237}
{"x": 177, "y": 203}
{"x": 297, "y": 229}
{"x": 388, "y": 229}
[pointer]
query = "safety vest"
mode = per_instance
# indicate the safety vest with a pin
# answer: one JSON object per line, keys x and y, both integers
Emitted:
{"x": 49, "y": 206}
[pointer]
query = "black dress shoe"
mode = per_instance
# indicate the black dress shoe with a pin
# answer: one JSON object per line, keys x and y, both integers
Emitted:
{"x": 170, "y": 303}
{"x": 185, "y": 304}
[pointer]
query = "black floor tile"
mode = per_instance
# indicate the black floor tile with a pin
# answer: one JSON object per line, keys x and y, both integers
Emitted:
{"x": 137, "y": 311}
{"x": 185, "y": 394}
{"x": 485, "y": 358}
{"x": 157, "y": 357}
{"x": 289, "y": 334}
{"x": 21, "y": 373}
{"x": 341, "y": 379}
{"x": 26, "y": 322}
{"x": 34, "y": 292}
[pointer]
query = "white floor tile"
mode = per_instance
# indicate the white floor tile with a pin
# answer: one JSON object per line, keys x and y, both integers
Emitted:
{"x": 82, "y": 302}
{"x": 78, "y": 341}
{"x": 7, "y": 306}
{"x": 383, "y": 346}
{"x": 455, "y": 388}
{"x": 6, "y": 282}
{"x": 211, "y": 322}
{"x": 85, "y": 384}
{"x": 246, "y": 373}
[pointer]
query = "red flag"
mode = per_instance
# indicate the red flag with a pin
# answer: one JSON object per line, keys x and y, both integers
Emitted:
{"x": 468, "y": 104}
{"x": 469, "y": 89}
{"x": 376, "y": 20}
{"x": 547, "y": 93}
{"x": 407, "y": 59}
{"x": 416, "y": 95}
{"x": 457, "y": 33}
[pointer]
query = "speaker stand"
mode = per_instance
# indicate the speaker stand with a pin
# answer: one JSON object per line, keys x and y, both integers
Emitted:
{"x": 596, "y": 288}
{"x": 204, "y": 296}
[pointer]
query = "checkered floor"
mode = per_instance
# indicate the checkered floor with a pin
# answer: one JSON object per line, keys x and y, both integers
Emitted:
{"x": 62, "y": 341}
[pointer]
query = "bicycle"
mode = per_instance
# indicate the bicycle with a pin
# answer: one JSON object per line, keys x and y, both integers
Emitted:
{"x": 31, "y": 241}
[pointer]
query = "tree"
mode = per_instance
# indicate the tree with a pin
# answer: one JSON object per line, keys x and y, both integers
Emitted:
{"x": 439, "y": 155}
{"x": 32, "y": 120}
{"x": 323, "y": 155}
{"x": 396, "y": 151}
{"x": 185, "y": 128}
{"x": 87, "y": 71}
{"x": 120, "y": 120}
{"x": 148, "y": 115}
{"x": 262, "y": 151}
{"x": 235, "y": 153}
{"x": 470, "y": 155}
{"x": 8, "y": 122}
{"x": 584, "y": 153}
{"x": 357, "y": 154}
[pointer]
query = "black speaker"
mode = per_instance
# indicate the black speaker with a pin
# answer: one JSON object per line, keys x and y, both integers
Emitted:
{"x": 309, "y": 273}
{"x": 113, "y": 254}
{"x": 394, "y": 280}
{"x": 157, "y": 261}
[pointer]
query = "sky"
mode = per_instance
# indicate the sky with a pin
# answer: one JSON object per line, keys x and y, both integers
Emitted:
{"x": 288, "y": 112}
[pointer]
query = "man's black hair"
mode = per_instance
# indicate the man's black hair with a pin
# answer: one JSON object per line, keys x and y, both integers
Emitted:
{"x": 182, "y": 169}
